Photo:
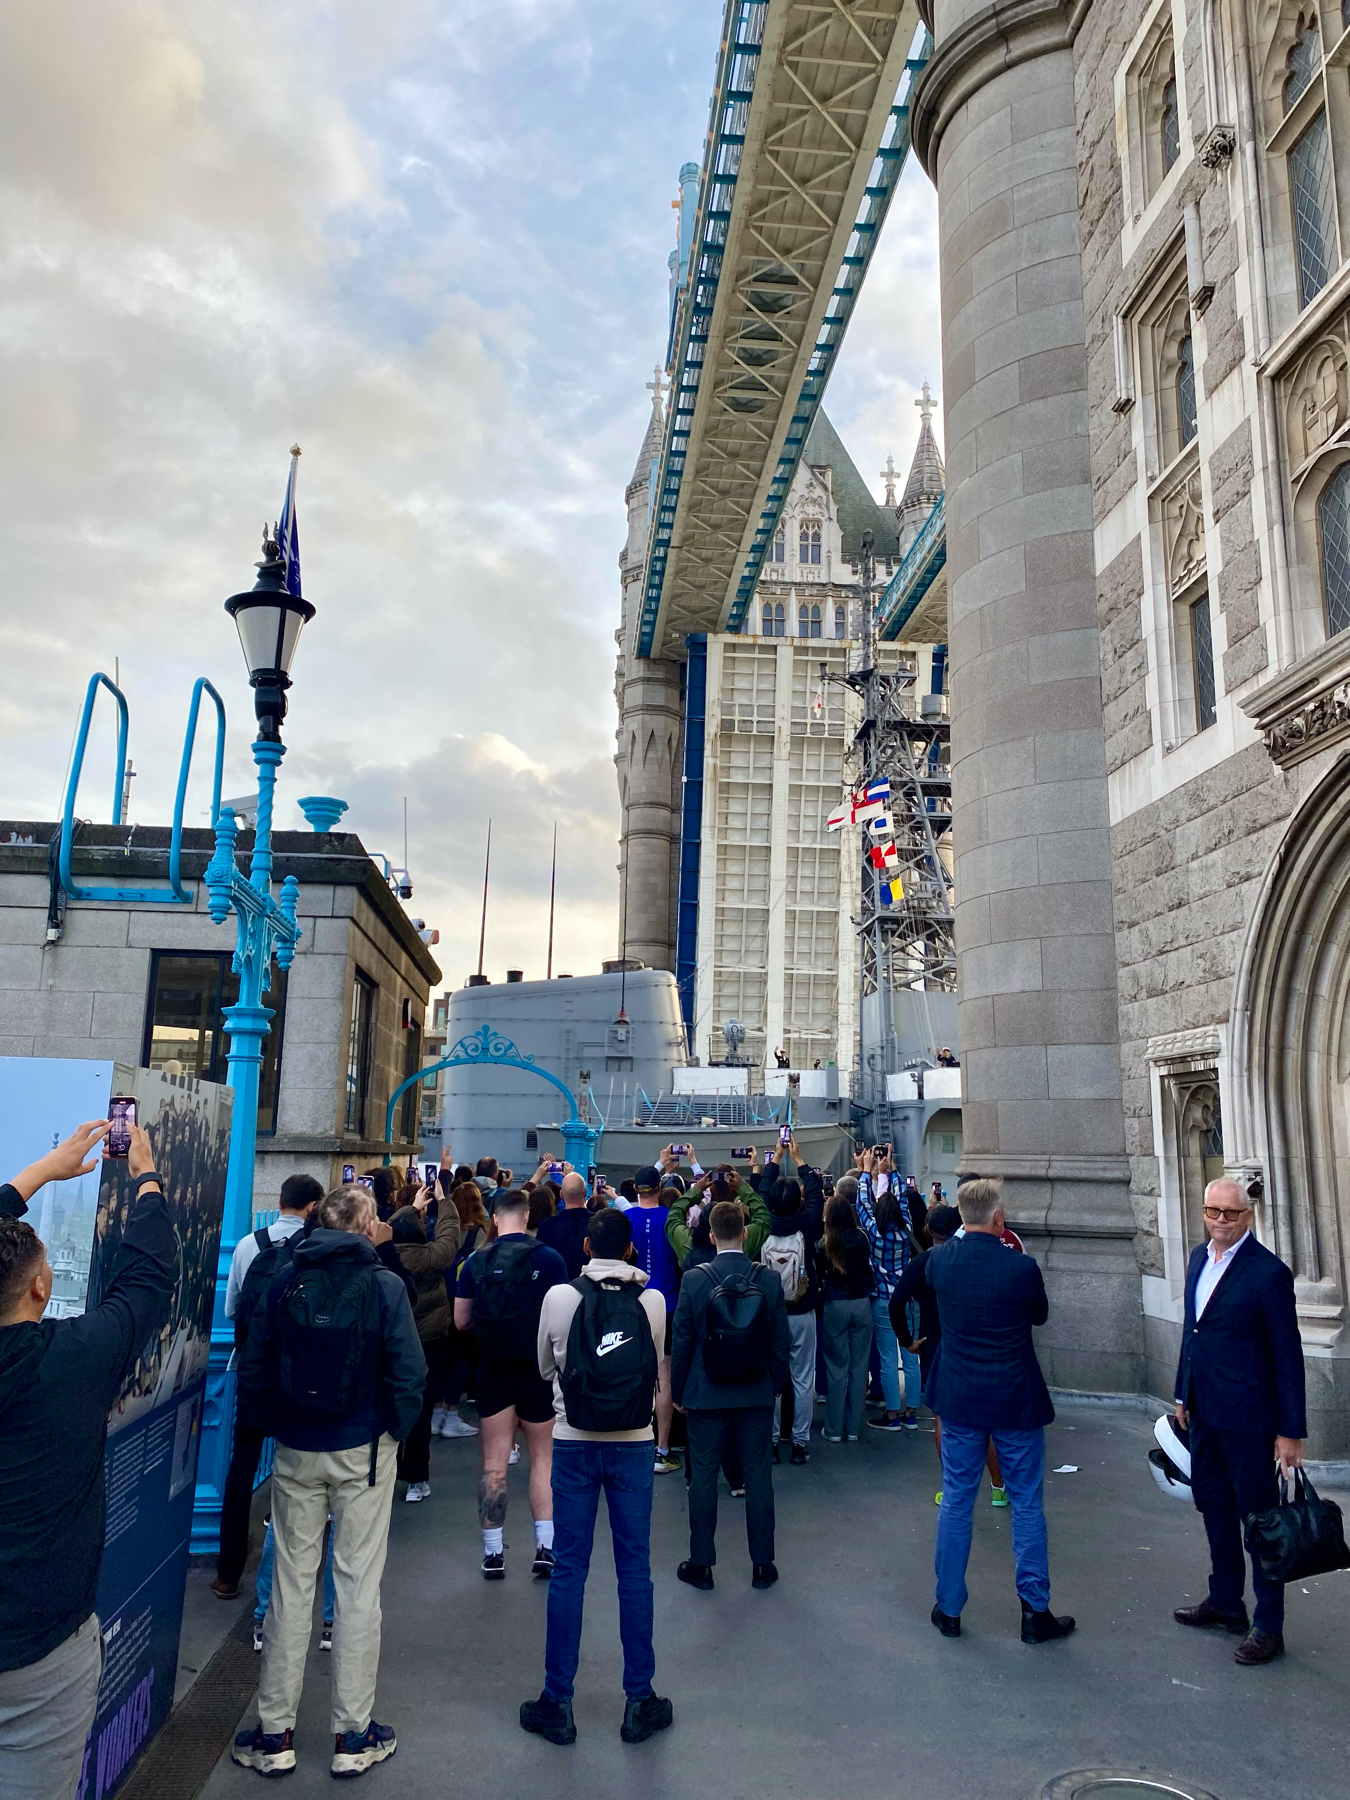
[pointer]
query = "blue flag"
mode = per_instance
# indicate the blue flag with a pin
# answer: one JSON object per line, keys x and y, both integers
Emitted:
{"x": 288, "y": 531}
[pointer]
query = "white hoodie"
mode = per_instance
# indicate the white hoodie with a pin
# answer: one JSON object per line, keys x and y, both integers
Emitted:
{"x": 555, "y": 1325}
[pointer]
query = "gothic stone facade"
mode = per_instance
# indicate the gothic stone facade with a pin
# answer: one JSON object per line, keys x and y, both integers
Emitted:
{"x": 1146, "y": 306}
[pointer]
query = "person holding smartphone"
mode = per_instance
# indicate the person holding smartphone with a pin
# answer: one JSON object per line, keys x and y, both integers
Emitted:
{"x": 58, "y": 1379}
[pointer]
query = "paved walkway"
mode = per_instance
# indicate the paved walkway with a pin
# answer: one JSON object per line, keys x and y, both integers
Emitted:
{"x": 833, "y": 1685}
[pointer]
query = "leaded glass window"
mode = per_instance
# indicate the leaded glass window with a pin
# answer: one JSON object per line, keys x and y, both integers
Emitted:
{"x": 808, "y": 544}
{"x": 1171, "y": 123}
{"x": 779, "y": 546}
{"x": 774, "y": 620}
{"x": 1186, "y": 389}
{"x": 840, "y": 617}
{"x": 1305, "y": 59}
{"x": 1333, "y": 517}
{"x": 1202, "y": 662}
{"x": 815, "y": 622}
{"x": 1314, "y": 217}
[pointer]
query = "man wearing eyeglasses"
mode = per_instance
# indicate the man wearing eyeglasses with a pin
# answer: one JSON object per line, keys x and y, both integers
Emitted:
{"x": 1240, "y": 1392}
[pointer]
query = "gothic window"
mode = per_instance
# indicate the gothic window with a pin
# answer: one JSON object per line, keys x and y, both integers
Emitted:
{"x": 1304, "y": 61}
{"x": 1314, "y": 215}
{"x": 1333, "y": 519}
{"x": 1171, "y": 122}
{"x": 841, "y": 617}
{"x": 814, "y": 622}
{"x": 1186, "y": 389}
{"x": 808, "y": 543}
{"x": 779, "y": 552}
{"x": 808, "y": 621}
{"x": 1305, "y": 107}
{"x": 1202, "y": 664}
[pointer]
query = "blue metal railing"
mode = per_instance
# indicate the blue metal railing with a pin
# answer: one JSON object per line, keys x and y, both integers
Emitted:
{"x": 923, "y": 562}
{"x": 730, "y": 112}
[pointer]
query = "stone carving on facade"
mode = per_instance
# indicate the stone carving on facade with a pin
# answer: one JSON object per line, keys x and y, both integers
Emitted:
{"x": 1183, "y": 516}
{"x": 1310, "y": 728}
{"x": 1217, "y": 146}
{"x": 1202, "y": 1041}
{"x": 1317, "y": 396}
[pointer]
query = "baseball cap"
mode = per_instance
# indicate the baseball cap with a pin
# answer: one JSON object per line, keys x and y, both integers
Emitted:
{"x": 647, "y": 1180}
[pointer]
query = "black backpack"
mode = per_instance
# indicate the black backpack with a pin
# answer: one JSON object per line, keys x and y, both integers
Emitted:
{"x": 508, "y": 1295}
{"x": 736, "y": 1337}
{"x": 258, "y": 1278}
{"x": 326, "y": 1324}
{"x": 609, "y": 1379}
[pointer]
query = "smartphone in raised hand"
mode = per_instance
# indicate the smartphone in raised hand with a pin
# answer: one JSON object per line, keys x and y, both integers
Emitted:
{"x": 121, "y": 1118}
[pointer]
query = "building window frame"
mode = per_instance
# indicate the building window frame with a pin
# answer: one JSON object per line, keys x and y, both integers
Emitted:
{"x": 361, "y": 1018}
{"x": 840, "y": 621}
{"x": 225, "y": 983}
{"x": 412, "y": 1062}
{"x": 1153, "y": 132}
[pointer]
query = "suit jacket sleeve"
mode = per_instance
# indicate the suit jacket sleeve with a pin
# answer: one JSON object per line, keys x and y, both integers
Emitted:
{"x": 1040, "y": 1303}
{"x": 780, "y": 1372}
{"x": 906, "y": 1289}
{"x": 1188, "y": 1325}
{"x": 1286, "y": 1352}
{"x": 682, "y": 1340}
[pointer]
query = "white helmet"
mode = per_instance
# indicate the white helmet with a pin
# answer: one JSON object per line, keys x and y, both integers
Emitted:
{"x": 1170, "y": 1462}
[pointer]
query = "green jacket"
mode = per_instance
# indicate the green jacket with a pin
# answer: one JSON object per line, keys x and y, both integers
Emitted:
{"x": 680, "y": 1237}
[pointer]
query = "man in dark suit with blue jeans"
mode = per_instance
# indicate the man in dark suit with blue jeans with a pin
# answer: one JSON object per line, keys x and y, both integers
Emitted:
{"x": 1240, "y": 1390}
{"x": 986, "y": 1384}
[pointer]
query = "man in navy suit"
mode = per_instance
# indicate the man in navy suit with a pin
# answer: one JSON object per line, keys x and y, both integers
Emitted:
{"x": 1240, "y": 1392}
{"x": 986, "y": 1383}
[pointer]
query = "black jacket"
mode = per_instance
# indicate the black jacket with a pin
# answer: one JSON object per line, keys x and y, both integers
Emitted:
{"x": 913, "y": 1285}
{"x": 57, "y": 1381}
{"x": 690, "y": 1384}
{"x": 986, "y": 1373}
{"x": 566, "y": 1232}
{"x": 1241, "y": 1364}
{"x": 854, "y": 1281}
{"x": 401, "y": 1376}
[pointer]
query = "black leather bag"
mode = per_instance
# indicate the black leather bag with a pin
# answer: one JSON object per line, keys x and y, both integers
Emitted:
{"x": 1299, "y": 1537}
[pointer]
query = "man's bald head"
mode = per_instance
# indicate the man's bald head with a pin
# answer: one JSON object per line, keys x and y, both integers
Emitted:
{"x": 573, "y": 1189}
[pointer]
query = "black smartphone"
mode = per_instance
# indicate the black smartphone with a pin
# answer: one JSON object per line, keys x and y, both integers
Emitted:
{"x": 681, "y": 1149}
{"x": 742, "y": 1155}
{"x": 121, "y": 1117}
{"x": 364, "y": 1181}
{"x": 349, "y": 1172}
{"x": 429, "y": 1172}
{"x": 784, "y": 1134}
{"x": 555, "y": 1171}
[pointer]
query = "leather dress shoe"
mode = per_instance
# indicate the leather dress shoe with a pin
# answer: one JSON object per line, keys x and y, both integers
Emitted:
{"x": 1044, "y": 1627}
{"x": 1258, "y": 1647}
{"x": 763, "y": 1575}
{"x": 947, "y": 1623}
{"x": 697, "y": 1575}
{"x": 1207, "y": 1617}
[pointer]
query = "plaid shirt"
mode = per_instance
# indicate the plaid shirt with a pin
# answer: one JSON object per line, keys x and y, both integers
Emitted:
{"x": 890, "y": 1250}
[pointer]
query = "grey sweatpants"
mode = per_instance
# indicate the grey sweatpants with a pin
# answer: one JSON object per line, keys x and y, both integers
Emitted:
{"x": 307, "y": 1485}
{"x": 848, "y": 1344}
{"x": 46, "y": 1709}
{"x": 802, "y": 1364}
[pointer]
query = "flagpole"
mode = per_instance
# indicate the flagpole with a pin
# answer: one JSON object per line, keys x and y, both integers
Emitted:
{"x": 552, "y": 898}
{"x": 482, "y": 930}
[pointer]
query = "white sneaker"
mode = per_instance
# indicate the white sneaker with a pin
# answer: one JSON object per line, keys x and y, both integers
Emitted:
{"x": 437, "y": 1420}
{"x": 455, "y": 1427}
{"x": 417, "y": 1490}
{"x": 514, "y": 1457}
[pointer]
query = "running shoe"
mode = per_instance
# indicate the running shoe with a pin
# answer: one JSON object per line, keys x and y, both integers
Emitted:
{"x": 830, "y": 1439}
{"x": 910, "y": 1420}
{"x": 514, "y": 1457}
{"x": 257, "y": 1635}
{"x": 326, "y": 1635}
{"x": 543, "y": 1562}
{"x": 438, "y": 1417}
{"x": 356, "y": 1751}
{"x": 667, "y": 1463}
{"x": 937, "y": 1498}
{"x": 887, "y": 1422}
{"x": 494, "y": 1567}
{"x": 999, "y": 1497}
{"x": 417, "y": 1490}
{"x": 455, "y": 1427}
{"x": 270, "y": 1753}
{"x": 738, "y": 1493}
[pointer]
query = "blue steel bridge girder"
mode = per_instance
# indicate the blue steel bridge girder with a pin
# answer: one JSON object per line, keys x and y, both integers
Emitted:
{"x": 809, "y": 133}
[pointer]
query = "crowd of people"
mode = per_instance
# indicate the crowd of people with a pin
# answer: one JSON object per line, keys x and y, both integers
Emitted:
{"x": 688, "y": 1319}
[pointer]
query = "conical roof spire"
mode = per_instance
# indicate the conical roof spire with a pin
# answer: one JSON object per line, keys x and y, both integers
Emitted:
{"x": 656, "y": 430}
{"x": 927, "y": 477}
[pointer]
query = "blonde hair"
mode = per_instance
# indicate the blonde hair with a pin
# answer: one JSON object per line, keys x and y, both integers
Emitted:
{"x": 350, "y": 1207}
{"x": 978, "y": 1201}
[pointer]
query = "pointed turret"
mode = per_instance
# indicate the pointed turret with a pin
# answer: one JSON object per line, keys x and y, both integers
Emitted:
{"x": 656, "y": 427}
{"x": 927, "y": 478}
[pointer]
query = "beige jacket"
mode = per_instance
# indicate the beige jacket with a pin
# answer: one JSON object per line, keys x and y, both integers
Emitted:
{"x": 555, "y": 1324}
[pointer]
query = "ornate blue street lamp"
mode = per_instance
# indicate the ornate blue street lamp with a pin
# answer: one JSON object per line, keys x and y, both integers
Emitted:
{"x": 269, "y": 620}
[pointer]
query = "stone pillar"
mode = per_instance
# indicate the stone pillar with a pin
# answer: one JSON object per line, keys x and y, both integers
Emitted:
{"x": 650, "y": 732}
{"x": 993, "y": 123}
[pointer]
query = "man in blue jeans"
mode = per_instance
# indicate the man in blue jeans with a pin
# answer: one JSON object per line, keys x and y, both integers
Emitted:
{"x": 584, "y": 1462}
{"x": 986, "y": 1383}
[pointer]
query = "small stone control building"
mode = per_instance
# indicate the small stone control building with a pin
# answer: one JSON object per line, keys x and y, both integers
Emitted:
{"x": 145, "y": 983}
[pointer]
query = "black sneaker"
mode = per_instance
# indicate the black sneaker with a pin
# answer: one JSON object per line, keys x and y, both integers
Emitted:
{"x": 697, "y": 1575}
{"x": 356, "y": 1751}
{"x": 494, "y": 1567}
{"x": 270, "y": 1753}
{"x": 551, "y": 1719}
{"x": 543, "y": 1563}
{"x": 641, "y": 1718}
{"x": 800, "y": 1455}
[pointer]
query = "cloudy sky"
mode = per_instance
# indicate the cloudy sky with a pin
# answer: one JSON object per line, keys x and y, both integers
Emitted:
{"x": 428, "y": 240}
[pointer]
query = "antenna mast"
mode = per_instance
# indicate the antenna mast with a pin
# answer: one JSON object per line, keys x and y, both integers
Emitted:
{"x": 482, "y": 930}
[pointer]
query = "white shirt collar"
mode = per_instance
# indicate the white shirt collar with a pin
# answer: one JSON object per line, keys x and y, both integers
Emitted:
{"x": 1227, "y": 1255}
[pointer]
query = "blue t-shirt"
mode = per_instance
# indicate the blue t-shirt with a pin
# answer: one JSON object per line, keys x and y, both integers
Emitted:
{"x": 553, "y": 1270}
{"x": 654, "y": 1253}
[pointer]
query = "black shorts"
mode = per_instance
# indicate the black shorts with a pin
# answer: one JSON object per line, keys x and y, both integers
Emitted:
{"x": 498, "y": 1385}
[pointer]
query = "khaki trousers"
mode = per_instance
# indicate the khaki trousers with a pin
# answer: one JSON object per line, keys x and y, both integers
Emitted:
{"x": 307, "y": 1485}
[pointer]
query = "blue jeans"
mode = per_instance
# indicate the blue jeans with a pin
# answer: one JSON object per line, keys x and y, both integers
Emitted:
{"x": 626, "y": 1472}
{"x": 265, "y": 1578}
{"x": 888, "y": 1351}
{"x": 1022, "y": 1457}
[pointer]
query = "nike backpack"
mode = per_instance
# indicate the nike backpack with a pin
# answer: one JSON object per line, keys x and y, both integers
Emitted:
{"x": 508, "y": 1295}
{"x": 786, "y": 1256}
{"x": 736, "y": 1340}
{"x": 609, "y": 1380}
